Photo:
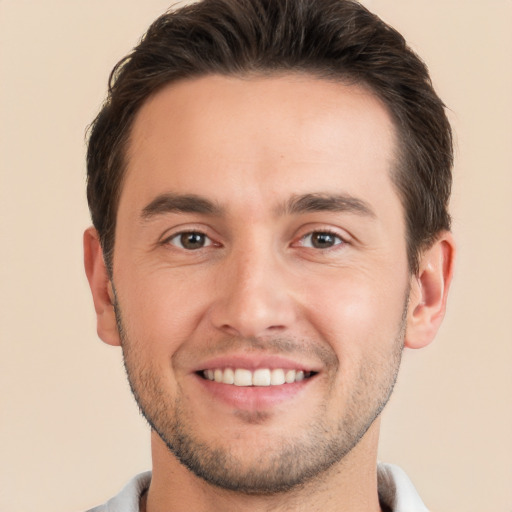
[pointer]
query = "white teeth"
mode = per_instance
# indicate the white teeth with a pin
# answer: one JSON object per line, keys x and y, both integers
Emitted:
{"x": 277, "y": 377}
{"x": 243, "y": 377}
{"x": 259, "y": 377}
{"x": 290, "y": 376}
{"x": 229, "y": 376}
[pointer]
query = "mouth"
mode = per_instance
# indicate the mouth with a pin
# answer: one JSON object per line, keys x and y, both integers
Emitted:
{"x": 260, "y": 377}
{"x": 254, "y": 382}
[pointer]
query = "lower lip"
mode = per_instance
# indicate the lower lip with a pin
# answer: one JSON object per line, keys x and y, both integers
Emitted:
{"x": 251, "y": 398}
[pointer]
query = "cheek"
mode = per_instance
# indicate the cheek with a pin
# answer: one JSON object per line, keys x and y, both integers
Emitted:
{"x": 363, "y": 327}
{"x": 158, "y": 311}
{"x": 356, "y": 313}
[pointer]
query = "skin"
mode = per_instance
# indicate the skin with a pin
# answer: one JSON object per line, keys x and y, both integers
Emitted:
{"x": 255, "y": 151}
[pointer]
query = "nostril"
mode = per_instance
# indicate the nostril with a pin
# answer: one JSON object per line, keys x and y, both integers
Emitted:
{"x": 253, "y": 312}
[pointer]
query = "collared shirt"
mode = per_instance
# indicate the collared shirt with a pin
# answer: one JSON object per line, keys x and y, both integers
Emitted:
{"x": 396, "y": 492}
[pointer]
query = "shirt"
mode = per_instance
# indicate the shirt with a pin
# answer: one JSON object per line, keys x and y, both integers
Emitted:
{"x": 396, "y": 492}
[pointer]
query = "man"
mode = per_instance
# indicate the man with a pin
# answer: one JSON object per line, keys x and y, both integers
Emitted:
{"x": 268, "y": 182}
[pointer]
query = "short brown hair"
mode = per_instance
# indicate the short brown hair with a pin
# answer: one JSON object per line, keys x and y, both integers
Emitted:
{"x": 333, "y": 39}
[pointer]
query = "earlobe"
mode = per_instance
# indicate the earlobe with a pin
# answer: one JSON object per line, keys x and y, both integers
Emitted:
{"x": 429, "y": 292}
{"x": 101, "y": 288}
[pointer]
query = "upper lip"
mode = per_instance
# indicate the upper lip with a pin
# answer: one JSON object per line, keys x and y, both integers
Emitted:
{"x": 255, "y": 361}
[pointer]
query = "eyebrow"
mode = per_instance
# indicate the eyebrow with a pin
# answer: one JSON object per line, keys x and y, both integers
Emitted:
{"x": 327, "y": 203}
{"x": 172, "y": 203}
{"x": 300, "y": 204}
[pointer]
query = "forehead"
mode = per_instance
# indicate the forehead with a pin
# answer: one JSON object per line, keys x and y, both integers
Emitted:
{"x": 230, "y": 136}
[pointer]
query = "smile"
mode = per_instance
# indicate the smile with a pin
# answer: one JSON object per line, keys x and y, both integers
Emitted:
{"x": 260, "y": 377}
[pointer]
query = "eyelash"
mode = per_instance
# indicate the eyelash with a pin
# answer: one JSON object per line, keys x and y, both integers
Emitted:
{"x": 181, "y": 234}
{"x": 338, "y": 240}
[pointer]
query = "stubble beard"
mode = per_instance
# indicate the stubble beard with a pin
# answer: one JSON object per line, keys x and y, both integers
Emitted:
{"x": 294, "y": 461}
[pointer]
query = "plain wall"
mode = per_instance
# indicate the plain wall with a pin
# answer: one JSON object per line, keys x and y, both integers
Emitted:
{"x": 70, "y": 433}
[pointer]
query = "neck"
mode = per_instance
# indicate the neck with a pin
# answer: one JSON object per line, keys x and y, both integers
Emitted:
{"x": 349, "y": 486}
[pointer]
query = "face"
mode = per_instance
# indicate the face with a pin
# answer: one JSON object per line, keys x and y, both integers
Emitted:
{"x": 260, "y": 274}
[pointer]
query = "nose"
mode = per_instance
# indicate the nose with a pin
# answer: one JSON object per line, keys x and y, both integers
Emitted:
{"x": 253, "y": 298}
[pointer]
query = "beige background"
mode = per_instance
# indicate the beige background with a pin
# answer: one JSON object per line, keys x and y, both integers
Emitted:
{"x": 70, "y": 434}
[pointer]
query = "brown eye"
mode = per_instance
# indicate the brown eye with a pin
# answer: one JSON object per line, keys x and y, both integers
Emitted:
{"x": 321, "y": 240}
{"x": 190, "y": 240}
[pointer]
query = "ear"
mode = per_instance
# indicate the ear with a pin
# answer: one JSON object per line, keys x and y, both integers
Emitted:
{"x": 101, "y": 288}
{"x": 429, "y": 291}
